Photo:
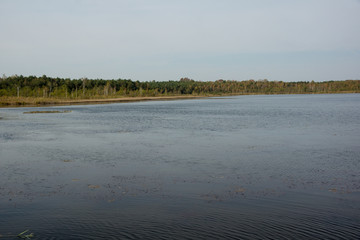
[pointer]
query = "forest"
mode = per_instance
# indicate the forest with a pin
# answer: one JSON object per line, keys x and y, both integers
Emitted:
{"x": 84, "y": 88}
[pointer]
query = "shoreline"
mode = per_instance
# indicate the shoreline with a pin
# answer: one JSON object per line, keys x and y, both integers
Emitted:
{"x": 34, "y": 102}
{"x": 14, "y": 102}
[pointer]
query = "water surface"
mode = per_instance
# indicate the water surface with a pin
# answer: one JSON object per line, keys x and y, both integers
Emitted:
{"x": 246, "y": 167}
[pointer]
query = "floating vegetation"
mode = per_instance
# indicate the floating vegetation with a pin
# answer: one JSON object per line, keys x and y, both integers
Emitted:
{"x": 34, "y": 112}
{"x": 240, "y": 190}
{"x": 211, "y": 197}
{"x": 93, "y": 186}
{"x": 25, "y": 236}
{"x": 21, "y": 235}
{"x": 66, "y": 160}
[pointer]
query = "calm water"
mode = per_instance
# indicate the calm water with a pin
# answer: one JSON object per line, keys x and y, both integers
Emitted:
{"x": 247, "y": 167}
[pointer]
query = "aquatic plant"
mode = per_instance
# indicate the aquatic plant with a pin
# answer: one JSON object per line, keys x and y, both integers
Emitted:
{"x": 25, "y": 236}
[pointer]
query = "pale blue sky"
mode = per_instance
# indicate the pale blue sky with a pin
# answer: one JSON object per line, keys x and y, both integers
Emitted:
{"x": 287, "y": 40}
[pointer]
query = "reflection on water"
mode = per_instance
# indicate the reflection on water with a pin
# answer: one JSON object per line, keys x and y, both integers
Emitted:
{"x": 247, "y": 167}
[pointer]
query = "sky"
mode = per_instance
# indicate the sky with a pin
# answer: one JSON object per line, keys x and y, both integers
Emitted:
{"x": 206, "y": 40}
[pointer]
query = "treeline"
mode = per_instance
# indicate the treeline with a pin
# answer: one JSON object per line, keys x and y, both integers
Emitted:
{"x": 48, "y": 87}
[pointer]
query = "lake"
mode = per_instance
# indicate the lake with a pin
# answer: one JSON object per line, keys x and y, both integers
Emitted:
{"x": 242, "y": 167}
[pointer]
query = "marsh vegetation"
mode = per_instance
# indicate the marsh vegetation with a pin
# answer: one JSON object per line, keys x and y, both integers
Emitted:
{"x": 20, "y": 90}
{"x": 48, "y": 111}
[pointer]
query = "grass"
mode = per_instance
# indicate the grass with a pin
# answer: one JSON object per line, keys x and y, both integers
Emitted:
{"x": 20, "y": 101}
{"x": 40, "y": 101}
{"x": 33, "y": 101}
{"x": 33, "y": 112}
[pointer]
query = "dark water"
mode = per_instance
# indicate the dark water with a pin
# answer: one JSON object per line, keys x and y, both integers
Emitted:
{"x": 247, "y": 167}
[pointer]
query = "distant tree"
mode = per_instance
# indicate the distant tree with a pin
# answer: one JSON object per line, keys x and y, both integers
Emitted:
{"x": 185, "y": 79}
{"x": 84, "y": 80}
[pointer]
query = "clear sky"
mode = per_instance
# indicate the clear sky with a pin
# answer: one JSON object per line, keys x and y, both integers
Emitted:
{"x": 285, "y": 40}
